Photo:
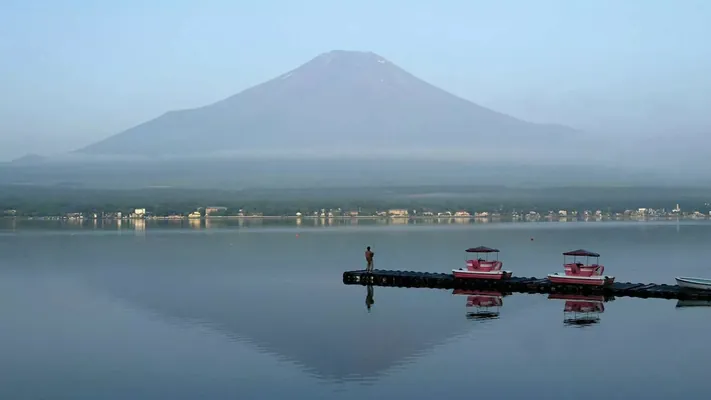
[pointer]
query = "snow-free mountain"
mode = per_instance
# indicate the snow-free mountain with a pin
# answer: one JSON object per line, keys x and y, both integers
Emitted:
{"x": 338, "y": 100}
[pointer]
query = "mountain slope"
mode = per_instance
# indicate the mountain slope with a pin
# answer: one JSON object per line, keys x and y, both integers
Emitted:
{"x": 338, "y": 99}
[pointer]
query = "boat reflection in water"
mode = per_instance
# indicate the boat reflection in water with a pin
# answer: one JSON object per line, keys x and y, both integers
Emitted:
{"x": 482, "y": 304}
{"x": 580, "y": 310}
{"x": 693, "y": 303}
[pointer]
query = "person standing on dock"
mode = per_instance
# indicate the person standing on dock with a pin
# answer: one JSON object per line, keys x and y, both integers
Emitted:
{"x": 369, "y": 259}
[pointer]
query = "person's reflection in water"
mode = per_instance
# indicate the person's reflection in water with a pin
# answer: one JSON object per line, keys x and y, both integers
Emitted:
{"x": 369, "y": 301}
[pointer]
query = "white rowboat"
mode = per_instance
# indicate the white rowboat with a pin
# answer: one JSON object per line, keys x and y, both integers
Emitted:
{"x": 693, "y": 283}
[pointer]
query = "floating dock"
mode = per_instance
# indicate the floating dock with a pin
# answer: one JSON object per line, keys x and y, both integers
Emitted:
{"x": 518, "y": 285}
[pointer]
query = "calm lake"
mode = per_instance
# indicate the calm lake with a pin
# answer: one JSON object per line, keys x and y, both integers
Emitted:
{"x": 258, "y": 310}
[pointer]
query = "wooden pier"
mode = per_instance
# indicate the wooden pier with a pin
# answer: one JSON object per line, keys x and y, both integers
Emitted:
{"x": 518, "y": 285}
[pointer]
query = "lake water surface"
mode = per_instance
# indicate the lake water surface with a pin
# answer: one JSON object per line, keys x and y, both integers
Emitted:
{"x": 180, "y": 311}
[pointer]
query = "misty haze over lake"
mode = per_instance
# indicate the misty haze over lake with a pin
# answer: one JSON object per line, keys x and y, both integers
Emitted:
{"x": 628, "y": 96}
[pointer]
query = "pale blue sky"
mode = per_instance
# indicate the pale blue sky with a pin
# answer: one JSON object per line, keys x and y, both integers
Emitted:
{"x": 72, "y": 72}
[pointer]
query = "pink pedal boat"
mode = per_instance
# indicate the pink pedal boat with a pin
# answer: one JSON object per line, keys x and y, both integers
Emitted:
{"x": 482, "y": 268}
{"x": 577, "y": 273}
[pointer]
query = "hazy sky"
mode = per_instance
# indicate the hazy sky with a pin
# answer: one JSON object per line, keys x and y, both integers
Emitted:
{"x": 72, "y": 72}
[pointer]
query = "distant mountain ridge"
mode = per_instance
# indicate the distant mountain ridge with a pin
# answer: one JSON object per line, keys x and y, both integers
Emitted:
{"x": 28, "y": 159}
{"x": 340, "y": 99}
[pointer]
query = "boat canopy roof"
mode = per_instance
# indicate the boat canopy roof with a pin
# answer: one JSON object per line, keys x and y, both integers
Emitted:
{"x": 581, "y": 253}
{"x": 481, "y": 249}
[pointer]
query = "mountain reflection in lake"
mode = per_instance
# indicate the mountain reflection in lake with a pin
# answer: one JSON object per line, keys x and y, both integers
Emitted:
{"x": 263, "y": 313}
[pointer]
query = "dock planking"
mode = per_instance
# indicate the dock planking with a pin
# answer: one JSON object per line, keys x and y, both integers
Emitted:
{"x": 516, "y": 284}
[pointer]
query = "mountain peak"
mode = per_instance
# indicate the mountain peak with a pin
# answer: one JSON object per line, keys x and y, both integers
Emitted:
{"x": 349, "y": 54}
{"x": 336, "y": 58}
{"x": 339, "y": 99}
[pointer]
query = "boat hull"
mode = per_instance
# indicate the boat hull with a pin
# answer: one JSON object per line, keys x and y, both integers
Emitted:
{"x": 694, "y": 283}
{"x": 581, "y": 280}
{"x": 487, "y": 275}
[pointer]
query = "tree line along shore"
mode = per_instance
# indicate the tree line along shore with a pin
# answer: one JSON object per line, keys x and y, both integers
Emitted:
{"x": 220, "y": 212}
{"x": 385, "y": 202}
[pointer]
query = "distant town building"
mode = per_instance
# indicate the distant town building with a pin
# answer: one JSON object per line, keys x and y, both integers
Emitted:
{"x": 398, "y": 212}
{"x": 214, "y": 209}
{"x": 139, "y": 212}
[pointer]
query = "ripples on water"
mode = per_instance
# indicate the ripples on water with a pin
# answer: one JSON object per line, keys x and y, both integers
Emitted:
{"x": 261, "y": 312}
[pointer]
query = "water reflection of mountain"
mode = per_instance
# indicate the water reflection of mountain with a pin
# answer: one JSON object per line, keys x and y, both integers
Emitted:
{"x": 314, "y": 322}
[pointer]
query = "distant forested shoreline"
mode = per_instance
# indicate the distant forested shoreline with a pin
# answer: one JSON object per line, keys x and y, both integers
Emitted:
{"x": 36, "y": 201}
